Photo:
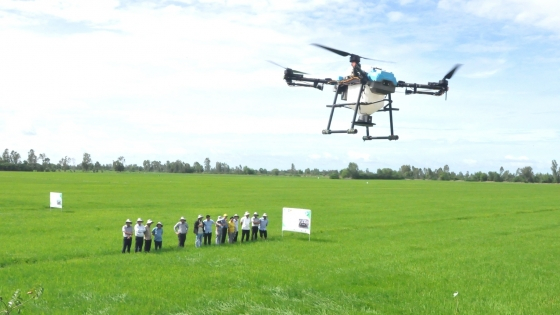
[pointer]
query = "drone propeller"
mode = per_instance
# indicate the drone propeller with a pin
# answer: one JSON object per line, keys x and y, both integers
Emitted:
{"x": 294, "y": 71}
{"x": 452, "y": 72}
{"x": 344, "y": 54}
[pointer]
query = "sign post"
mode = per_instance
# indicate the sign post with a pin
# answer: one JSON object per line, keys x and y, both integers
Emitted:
{"x": 56, "y": 200}
{"x": 296, "y": 220}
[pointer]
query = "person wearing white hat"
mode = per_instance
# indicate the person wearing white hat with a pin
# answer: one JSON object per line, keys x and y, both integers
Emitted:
{"x": 139, "y": 230}
{"x": 236, "y": 221}
{"x": 245, "y": 227}
{"x": 255, "y": 222}
{"x": 127, "y": 236}
{"x": 224, "y": 228}
{"x": 181, "y": 229}
{"x": 262, "y": 226}
{"x": 208, "y": 230}
{"x": 157, "y": 232}
{"x": 148, "y": 237}
{"x": 198, "y": 231}
{"x": 219, "y": 223}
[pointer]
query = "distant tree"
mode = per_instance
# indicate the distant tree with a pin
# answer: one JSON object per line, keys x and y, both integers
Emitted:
{"x": 446, "y": 169}
{"x": 275, "y": 172}
{"x": 118, "y": 165}
{"x": 334, "y": 175}
{"x": 31, "y": 157}
{"x": 345, "y": 173}
{"x": 198, "y": 168}
{"x": 96, "y": 167}
{"x": 146, "y": 165}
{"x": 6, "y": 156}
{"x": 207, "y": 165}
{"x": 14, "y": 157}
{"x": 526, "y": 174}
{"x": 42, "y": 158}
{"x": 353, "y": 170}
{"x": 501, "y": 170}
{"x": 86, "y": 162}
{"x": 293, "y": 169}
{"x": 64, "y": 163}
{"x": 555, "y": 173}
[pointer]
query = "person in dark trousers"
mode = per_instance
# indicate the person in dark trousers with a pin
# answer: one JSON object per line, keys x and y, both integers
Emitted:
{"x": 181, "y": 229}
{"x": 198, "y": 231}
{"x": 236, "y": 220}
{"x": 148, "y": 237}
{"x": 262, "y": 227}
{"x": 255, "y": 226}
{"x": 157, "y": 232}
{"x": 139, "y": 230}
{"x": 224, "y": 228}
{"x": 127, "y": 236}
{"x": 245, "y": 227}
{"x": 208, "y": 230}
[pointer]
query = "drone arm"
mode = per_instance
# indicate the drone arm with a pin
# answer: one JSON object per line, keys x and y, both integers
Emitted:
{"x": 290, "y": 77}
{"x": 440, "y": 88}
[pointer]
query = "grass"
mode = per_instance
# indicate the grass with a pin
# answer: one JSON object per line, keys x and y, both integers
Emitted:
{"x": 387, "y": 247}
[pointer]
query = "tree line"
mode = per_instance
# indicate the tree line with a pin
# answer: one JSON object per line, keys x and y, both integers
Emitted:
{"x": 12, "y": 161}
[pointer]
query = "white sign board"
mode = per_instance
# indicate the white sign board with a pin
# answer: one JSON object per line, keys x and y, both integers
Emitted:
{"x": 296, "y": 220}
{"x": 56, "y": 200}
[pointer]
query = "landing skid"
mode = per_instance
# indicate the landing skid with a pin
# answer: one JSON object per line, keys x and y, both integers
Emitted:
{"x": 363, "y": 122}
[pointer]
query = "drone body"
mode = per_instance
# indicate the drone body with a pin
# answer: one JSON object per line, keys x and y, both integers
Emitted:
{"x": 365, "y": 92}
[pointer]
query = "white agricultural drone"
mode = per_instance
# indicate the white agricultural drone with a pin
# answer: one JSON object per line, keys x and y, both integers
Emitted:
{"x": 371, "y": 90}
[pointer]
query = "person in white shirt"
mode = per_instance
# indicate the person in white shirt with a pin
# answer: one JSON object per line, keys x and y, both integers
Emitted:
{"x": 139, "y": 231}
{"x": 219, "y": 225}
{"x": 255, "y": 222}
{"x": 127, "y": 236}
{"x": 245, "y": 227}
{"x": 236, "y": 221}
{"x": 181, "y": 229}
{"x": 262, "y": 226}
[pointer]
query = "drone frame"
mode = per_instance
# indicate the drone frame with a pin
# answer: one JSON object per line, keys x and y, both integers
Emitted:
{"x": 432, "y": 88}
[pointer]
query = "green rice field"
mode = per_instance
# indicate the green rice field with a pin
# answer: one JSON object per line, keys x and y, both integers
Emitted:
{"x": 377, "y": 247}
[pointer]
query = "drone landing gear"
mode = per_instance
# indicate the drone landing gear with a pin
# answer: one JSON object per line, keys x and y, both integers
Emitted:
{"x": 363, "y": 120}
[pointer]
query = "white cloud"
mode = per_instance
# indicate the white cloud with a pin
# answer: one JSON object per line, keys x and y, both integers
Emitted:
{"x": 469, "y": 161}
{"x": 518, "y": 158}
{"x": 358, "y": 156}
{"x": 540, "y": 13}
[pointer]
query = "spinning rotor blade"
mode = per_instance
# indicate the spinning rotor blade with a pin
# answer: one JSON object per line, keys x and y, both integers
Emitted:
{"x": 336, "y": 51}
{"x": 294, "y": 71}
{"x": 452, "y": 72}
{"x": 344, "y": 54}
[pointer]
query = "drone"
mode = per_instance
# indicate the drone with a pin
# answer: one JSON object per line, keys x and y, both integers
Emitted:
{"x": 365, "y": 92}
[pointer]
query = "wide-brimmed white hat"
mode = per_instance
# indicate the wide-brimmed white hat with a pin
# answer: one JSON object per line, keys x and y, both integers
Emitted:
{"x": 182, "y": 218}
{"x": 200, "y": 216}
{"x": 149, "y": 221}
{"x": 264, "y": 215}
{"x": 127, "y": 221}
{"x": 255, "y": 213}
{"x": 235, "y": 215}
{"x": 220, "y": 217}
{"x": 139, "y": 220}
{"x": 159, "y": 223}
{"x": 246, "y": 213}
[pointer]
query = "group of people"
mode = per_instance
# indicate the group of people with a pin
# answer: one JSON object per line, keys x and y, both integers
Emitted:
{"x": 226, "y": 230}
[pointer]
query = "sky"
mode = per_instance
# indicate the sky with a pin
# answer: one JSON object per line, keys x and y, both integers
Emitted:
{"x": 185, "y": 80}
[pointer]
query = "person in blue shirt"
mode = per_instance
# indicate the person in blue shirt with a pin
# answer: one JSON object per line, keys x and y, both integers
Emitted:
{"x": 157, "y": 232}
{"x": 208, "y": 230}
{"x": 262, "y": 226}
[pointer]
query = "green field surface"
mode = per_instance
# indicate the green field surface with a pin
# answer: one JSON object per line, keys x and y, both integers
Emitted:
{"x": 377, "y": 247}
